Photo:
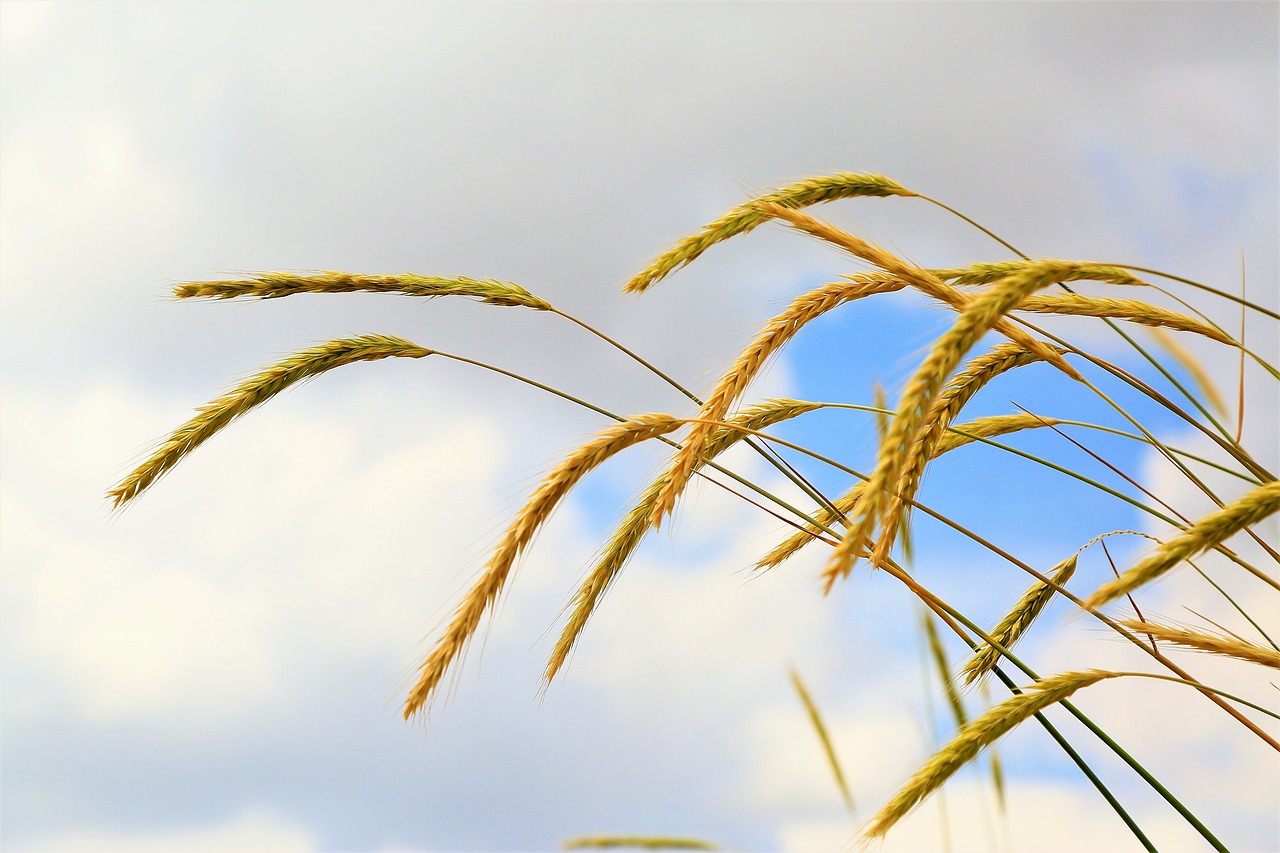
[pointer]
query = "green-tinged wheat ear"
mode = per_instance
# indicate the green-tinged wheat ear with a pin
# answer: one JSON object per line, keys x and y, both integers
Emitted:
{"x": 1217, "y": 644}
{"x": 1192, "y": 365}
{"x": 1133, "y": 310}
{"x": 536, "y": 510}
{"x": 1015, "y": 624}
{"x": 1214, "y": 529}
{"x": 901, "y": 450}
{"x": 255, "y": 391}
{"x": 985, "y": 273}
{"x": 772, "y": 337}
{"x": 745, "y": 217}
{"x": 981, "y": 733}
{"x": 820, "y": 729}
{"x": 273, "y": 285}
{"x": 917, "y": 277}
{"x": 638, "y": 842}
{"x": 629, "y": 533}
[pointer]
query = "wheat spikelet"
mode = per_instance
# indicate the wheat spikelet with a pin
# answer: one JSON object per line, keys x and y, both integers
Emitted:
{"x": 253, "y": 392}
{"x": 1192, "y": 365}
{"x": 631, "y": 530}
{"x": 985, "y": 273}
{"x": 917, "y": 277}
{"x": 1017, "y": 621}
{"x": 519, "y": 534}
{"x": 641, "y": 842}
{"x": 900, "y": 450}
{"x": 274, "y": 285}
{"x": 745, "y": 217}
{"x": 989, "y": 427}
{"x": 1212, "y": 643}
{"x": 976, "y": 736}
{"x": 1213, "y": 529}
{"x": 773, "y": 336}
{"x": 820, "y": 728}
{"x": 1133, "y": 310}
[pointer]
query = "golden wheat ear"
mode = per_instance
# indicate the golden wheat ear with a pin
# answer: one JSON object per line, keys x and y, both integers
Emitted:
{"x": 253, "y": 392}
{"x": 275, "y": 285}
{"x": 745, "y": 217}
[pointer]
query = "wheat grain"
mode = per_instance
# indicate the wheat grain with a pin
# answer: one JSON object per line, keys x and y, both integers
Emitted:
{"x": 275, "y": 285}
{"x": 745, "y": 217}
{"x": 519, "y": 534}
{"x": 1214, "y": 529}
{"x": 254, "y": 391}
{"x": 631, "y": 530}
{"x": 1015, "y": 624}
{"x": 981, "y": 733}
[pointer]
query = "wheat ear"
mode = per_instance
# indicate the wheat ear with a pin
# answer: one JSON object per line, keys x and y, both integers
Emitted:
{"x": 253, "y": 392}
{"x": 626, "y": 538}
{"x": 981, "y": 733}
{"x": 745, "y": 217}
{"x": 274, "y": 285}
{"x": 641, "y": 842}
{"x": 1213, "y": 529}
{"x": 1192, "y": 365}
{"x": 1217, "y": 644}
{"x": 985, "y": 273}
{"x": 772, "y": 337}
{"x": 917, "y": 277}
{"x": 820, "y": 729}
{"x": 1015, "y": 624}
{"x": 900, "y": 450}
{"x": 1133, "y": 310}
{"x": 519, "y": 534}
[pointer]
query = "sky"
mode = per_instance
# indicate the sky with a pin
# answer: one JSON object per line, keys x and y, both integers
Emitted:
{"x": 221, "y": 665}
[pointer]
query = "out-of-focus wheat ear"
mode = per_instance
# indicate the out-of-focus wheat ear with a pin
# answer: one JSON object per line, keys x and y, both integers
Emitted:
{"x": 982, "y": 732}
{"x": 1015, "y": 624}
{"x": 536, "y": 510}
{"x": 772, "y": 337}
{"x": 985, "y": 273}
{"x": 921, "y": 279}
{"x": 633, "y": 527}
{"x": 824, "y": 737}
{"x": 1214, "y": 529}
{"x": 274, "y": 285}
{"x": 636, "y": 842}
{"x": 898, "y": 452}
{"x": 745, "y": 217}
{"x": 253, "y": 392}
{"x": 1216, "y": 644}
{"x": 1193, "y": 366}
{"x": 1133, "y": 310}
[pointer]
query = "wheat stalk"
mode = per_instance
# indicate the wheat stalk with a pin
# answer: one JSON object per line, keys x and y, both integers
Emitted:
{"x": 253, "y": 392}
{"x": 631, "y": 530}
{"x": 1214, "y": 529}
{"x": 745, "y": 217}
{"x": 772, "y": 337}
{"x": 981, "y": 733}
{"x": 1017, "y": 621}
{"x": 274, "y": 285}
{"x": 519, "y": 534}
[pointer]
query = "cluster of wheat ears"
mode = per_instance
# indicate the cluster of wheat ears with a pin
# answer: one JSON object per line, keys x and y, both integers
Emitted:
{"x": 870, "y": 522}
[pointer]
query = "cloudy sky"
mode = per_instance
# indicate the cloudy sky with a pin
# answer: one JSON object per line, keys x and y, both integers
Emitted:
{"x": 221, "y": 665}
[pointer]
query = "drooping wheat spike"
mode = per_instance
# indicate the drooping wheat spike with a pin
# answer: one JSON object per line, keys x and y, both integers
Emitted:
{"x": 274, "y": 285}
{"x": 1212, "y": 530}
{"x": 917, "y": 277}
{"x": 901, "y": 450}
{"x": 943, "y": 666}
{"x": 1015, "y": 624}
{"x": 989, "y": 427}
{"x": 820, "y": 729}
{"x": 1133, "y": 310}
{"x": 981, "y": 733}
{"x": 985, "y": 273}
{"x": 772, "y": 338}
{"x": 745, "y": 217}
{"x": 253, "y": 392}
{"x": 637, "y": 842}
{"x": 631, "y": 530}
{"x": 519, "y": 534}
{"x": 1192, "y": 365}
{"x": 1217, "y": 644}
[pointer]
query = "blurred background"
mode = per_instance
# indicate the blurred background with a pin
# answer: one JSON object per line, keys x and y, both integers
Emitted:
{"x": 221, "y": 665}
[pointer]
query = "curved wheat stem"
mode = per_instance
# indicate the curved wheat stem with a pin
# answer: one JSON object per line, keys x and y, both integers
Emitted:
{"x": 253, "y": 392}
